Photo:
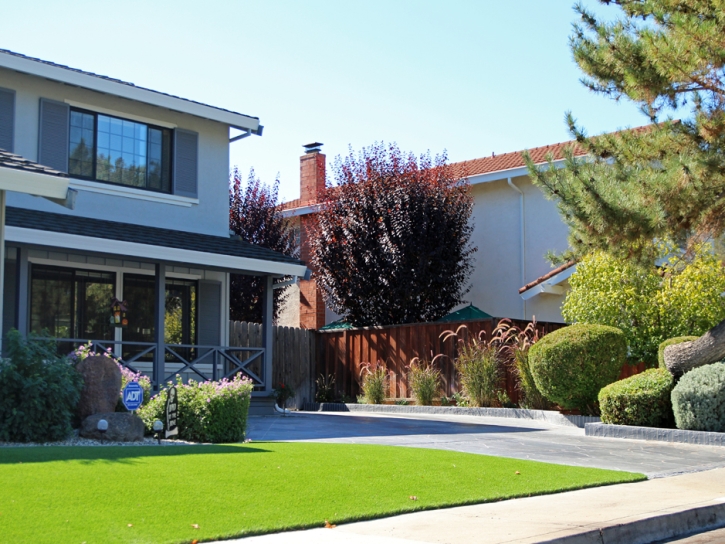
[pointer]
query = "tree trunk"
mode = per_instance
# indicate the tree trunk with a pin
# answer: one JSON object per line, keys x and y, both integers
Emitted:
{"x": 709, "y": 348}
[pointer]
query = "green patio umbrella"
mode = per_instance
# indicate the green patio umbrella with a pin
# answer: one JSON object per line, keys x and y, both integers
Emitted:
{"x": 469, "y": 313}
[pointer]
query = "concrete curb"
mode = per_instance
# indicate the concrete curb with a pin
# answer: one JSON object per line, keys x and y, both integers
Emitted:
{"x": 653, "y": 529}
{"x": 700, "y": 438}
{"x": 552, "y": 417}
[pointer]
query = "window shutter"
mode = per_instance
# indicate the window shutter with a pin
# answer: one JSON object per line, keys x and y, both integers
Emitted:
{"x": 210, "y": 308}
{"x": 7, "y": 119}
{"x": 53, "y": 136}
{"x": 186, "y": 163}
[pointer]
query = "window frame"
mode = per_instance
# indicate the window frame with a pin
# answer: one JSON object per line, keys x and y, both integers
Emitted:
{"x": 94, "y": 177}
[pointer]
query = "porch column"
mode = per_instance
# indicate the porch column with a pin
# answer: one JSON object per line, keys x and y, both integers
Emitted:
{"x": 159, "y": 317}
{"x": 268, "y": 332}
{"x": 2, "y": 262}
{"x": 22, "y": 298}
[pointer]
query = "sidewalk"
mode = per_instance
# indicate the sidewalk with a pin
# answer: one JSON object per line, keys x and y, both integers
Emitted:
{"x": 641, "y": 512}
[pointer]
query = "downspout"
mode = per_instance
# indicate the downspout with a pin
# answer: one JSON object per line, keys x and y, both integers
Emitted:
{"x": 522, "y": 227}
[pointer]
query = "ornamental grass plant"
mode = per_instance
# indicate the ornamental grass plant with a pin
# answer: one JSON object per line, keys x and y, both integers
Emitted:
{"x": 375, "y": 380}
{"x": 208, "y": 411}
{"x": 424, "y": 380}
{"x": 479, "y": 366}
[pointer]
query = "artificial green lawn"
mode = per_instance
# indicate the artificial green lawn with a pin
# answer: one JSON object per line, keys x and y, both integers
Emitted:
{"x": 151, "y": 494}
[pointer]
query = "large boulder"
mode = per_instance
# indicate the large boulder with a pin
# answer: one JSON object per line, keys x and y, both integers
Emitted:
{"x": 122, "y": 427}
{"x": 101, "y": 386}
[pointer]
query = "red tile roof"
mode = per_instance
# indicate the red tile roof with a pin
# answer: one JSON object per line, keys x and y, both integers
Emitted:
{"x": 515, "y": 159}
{"x": 547, "y": 276}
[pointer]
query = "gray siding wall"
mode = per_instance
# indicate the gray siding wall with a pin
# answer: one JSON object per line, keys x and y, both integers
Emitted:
{"x": 209, "y": 216}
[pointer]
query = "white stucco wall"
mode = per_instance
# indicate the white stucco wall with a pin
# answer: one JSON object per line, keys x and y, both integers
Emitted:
{"x": 209, "y": 216}
{"x": 497, "y": 274}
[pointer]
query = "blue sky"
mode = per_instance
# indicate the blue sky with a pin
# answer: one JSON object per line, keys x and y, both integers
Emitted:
{"x": 469, "y": 77}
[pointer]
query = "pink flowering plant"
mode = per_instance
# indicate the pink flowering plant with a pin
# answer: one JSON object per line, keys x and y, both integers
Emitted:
{"x": 207, "y": 411}
{"x": 127, "y": 375}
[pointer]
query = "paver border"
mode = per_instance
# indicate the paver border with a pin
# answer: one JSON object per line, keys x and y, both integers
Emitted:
{"x": 700, "y": 438}
{"x": 550, "y": 416}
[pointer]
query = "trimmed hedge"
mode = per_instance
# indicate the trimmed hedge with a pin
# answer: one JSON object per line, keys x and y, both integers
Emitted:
{"x": 670, "y": 342}
{"x": 641, "y": 400}
{"x": 572, "y": 364}
{"x": 208, "y": 411}
{"x": 698, "y": 399}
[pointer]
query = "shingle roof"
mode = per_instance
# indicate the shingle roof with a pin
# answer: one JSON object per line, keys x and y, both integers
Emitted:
{"x": 16, "y": 162}
{"x": 547, "y": 276}
{"x": 114, "y": 80}
{"x": 140, "y": 234}
{"x": 515, "y": 159}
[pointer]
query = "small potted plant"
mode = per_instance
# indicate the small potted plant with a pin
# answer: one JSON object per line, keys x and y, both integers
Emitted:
{"x": 282, "y": 393}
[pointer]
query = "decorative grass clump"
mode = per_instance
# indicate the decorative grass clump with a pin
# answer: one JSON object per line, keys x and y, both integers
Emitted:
{"x": 185, "y": 493}
{"x": 208, "y": 411}
{"x": 641, "y": 400}
{"x": 572, "y": 364}
{"x": 671, "y": 342}
{"x": 698, "y": 399}
{"x": 375, "y": 378}
{"x": 425, "y": 381}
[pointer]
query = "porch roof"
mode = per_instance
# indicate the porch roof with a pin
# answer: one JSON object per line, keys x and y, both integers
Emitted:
{"x": 97, "y": 235}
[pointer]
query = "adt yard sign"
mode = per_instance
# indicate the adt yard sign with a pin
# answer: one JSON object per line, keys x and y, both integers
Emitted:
{"x": 132, "y": 396}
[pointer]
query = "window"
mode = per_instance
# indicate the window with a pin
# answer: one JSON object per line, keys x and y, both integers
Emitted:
{"x": 114, "y": 150}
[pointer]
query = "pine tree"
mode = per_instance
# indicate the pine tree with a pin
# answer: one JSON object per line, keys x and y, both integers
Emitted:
{"x": 663, "y": 181}
{"x": 254, "y": 216}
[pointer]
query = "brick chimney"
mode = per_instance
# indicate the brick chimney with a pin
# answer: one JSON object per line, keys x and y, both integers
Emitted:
{"x": 312, "y": 183}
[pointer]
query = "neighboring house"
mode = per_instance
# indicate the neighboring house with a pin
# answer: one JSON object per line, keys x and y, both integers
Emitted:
{"x": 514, "y": 227}
{"x": 146, "y": 222}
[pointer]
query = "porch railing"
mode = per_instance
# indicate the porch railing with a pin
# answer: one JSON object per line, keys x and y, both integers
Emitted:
{"x": 200, "y": 362}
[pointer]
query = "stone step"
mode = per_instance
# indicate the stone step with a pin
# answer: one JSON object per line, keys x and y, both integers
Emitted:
{"x": 262, "y": 406}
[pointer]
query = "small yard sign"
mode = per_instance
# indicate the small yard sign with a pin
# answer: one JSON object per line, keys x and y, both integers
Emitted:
{"x": 172, "y": 406}
{"x": 132, "y": 396}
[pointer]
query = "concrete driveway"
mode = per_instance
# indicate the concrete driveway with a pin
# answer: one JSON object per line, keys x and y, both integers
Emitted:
{"x": 490, "y": 436}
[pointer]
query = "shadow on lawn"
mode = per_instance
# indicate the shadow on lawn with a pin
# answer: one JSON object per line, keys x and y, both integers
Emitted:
{"x": 116, "y": 454}
{"x": 319, "y": 425}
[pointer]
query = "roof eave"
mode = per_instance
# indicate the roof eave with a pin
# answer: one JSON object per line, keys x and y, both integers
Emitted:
{"x": 139, "y": 94}
{"x": 34, "y": 183}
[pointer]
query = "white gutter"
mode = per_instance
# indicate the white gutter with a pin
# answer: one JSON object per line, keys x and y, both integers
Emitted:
{"x": 302, "y": 210}
{"x": 151, "y": 252}
{"x": 550, "y": 286}
{"x": 522, "y": 227}
{"x": 475, "y": 179}
{"x": 34, "y": 183}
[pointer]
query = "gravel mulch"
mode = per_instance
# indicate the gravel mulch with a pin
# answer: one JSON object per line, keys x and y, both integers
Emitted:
{"x": 76, "y": 440}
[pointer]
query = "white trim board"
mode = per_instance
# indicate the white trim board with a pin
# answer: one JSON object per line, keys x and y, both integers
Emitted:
{"x": 151, "y": 252}
{"x": 551, "y": 286}
{"x": 34, "y": 183}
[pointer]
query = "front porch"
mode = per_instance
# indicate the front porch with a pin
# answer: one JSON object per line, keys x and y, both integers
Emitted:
{"x": 174, "y": 314}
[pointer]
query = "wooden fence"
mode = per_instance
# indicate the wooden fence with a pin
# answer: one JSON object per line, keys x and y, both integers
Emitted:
{"x": 342, "y": 353}
{"x": 293, "y": 359}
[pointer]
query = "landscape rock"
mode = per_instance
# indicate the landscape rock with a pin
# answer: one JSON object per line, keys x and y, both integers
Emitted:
{"x": 101, "y": 386}
{"x": 122, "y": 427}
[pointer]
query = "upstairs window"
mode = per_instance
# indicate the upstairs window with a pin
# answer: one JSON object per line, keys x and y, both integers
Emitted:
{"x": 119, "y": 151}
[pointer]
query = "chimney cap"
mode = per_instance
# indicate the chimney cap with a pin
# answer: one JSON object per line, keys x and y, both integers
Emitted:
{"x": 313, "y": 147}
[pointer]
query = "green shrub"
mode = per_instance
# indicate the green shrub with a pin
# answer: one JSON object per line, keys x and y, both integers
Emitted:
{"x": 606, "y": 290}
{"x": 207, "y": 411}
{"x": 39, "y": 391}
{"x": 479, "y": 367}
{"x": 670, "y": 342}
{"x": 642, "y": 400}
{"x": 325, "y": 388}
{"x": 572, "y": 364}
{"x": 698, "y": 399}
{"x": 425, "y": 381}
{"x": 374, "y": 382}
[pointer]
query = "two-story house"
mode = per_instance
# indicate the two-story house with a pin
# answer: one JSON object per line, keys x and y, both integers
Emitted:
{"x": 137, "y": 257}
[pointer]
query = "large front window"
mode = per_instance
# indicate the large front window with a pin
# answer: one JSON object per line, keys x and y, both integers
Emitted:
{"x": 114, "y": 150}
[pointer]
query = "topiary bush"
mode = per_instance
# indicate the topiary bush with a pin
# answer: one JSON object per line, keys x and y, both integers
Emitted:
{"x": 572, "y": 364}
{"x": 207, "y": 411}
{"x": 39, "y": 390}
{"x": 642, "y": 400}
{"x": 670, "y": 342}
{"x": 698, "y": 399}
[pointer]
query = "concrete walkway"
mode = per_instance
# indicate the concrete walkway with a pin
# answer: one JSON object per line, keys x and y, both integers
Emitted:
{"x": 685, "y": 493}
